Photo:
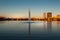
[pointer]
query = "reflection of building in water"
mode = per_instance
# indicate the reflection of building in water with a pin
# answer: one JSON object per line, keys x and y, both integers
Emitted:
{"x": 44, "y": 25}
{"x": 49, "y": 16}
{"x": 29, "y": 28}
{"x": 49, "y": 26}
{"x": 58, "y": 25}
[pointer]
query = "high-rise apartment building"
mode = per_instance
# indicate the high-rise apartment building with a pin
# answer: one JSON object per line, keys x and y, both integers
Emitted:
{"x": 49, "y": 16}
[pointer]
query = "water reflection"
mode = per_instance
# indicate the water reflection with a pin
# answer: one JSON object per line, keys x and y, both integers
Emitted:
{"x": 49, "y": 26}
{"x": 44, "y": 25}
{"x": 37, "y": 27}
{"x": 1, "y": 22}
{"x": 29, "y": 28}
{"x": 58, "y": 26}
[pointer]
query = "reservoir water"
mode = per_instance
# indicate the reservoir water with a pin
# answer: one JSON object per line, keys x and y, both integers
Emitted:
{"x": 20, "y": 30}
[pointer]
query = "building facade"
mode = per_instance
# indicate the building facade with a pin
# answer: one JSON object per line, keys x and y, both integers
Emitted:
{"x": 49, "y": 16}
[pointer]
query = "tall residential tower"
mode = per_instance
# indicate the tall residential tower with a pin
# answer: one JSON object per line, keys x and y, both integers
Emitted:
{"x": 49, "y": 16}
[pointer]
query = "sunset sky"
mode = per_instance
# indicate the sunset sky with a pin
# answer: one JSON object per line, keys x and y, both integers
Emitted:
{"x": 20, "y": 8}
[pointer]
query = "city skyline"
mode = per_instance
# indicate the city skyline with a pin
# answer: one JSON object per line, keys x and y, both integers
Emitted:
{"x": 19, "y": 8}
{"x": 46, "y": 17}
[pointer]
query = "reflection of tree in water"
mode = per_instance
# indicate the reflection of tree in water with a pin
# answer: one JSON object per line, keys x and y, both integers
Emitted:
{"x": 58, "y": 25}
{"x": 49, "y": 26}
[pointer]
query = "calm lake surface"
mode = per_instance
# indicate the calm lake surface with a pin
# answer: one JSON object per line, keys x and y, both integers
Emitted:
{"x": 29, "y": 31}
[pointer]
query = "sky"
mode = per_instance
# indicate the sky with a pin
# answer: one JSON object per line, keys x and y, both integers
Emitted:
{"x": 20, "y": 8}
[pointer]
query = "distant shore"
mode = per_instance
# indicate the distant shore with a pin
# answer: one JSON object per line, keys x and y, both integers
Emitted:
{"x": 26, "y": 19}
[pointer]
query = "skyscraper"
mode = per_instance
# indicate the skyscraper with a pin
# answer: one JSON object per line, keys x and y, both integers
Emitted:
{"x": 44, "y": 15}
{"x": 29, "y": 16}
{"x": 49, "y": 16}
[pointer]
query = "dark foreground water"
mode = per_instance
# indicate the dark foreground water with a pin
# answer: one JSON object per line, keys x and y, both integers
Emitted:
{"x": 16, "y": 30}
